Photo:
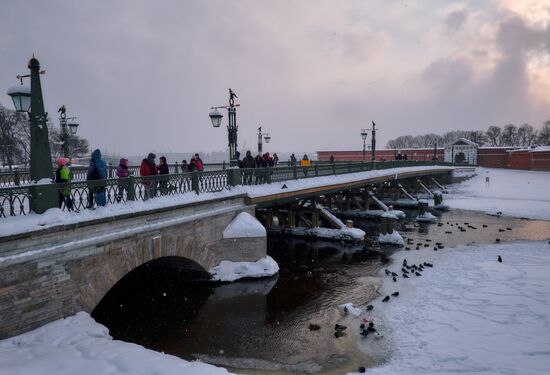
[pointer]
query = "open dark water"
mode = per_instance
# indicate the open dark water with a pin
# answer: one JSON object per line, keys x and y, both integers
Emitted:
{"x": 257, "y": 325}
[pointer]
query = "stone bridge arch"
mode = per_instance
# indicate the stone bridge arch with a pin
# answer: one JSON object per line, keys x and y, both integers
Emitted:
{"x": 53, "y": 273}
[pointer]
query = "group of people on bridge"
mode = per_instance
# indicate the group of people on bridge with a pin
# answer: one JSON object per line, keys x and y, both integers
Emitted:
{"x": 98, "y": 170}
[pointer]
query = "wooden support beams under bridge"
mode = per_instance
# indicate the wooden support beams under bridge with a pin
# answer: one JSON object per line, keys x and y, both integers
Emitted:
{"x": 315, "y": 211}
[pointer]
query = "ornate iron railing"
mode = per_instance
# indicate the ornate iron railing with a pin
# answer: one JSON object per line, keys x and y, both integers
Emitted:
{"x": 14, "y": 201}
{"x": 79, "y": 195}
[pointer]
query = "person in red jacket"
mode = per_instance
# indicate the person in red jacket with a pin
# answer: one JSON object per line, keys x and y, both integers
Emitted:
{"x": 199, "y": 163}
{"x": 149, "y": 168}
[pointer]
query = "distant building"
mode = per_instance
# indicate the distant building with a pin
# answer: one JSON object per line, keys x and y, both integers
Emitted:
{"x": 417, "y": 154}
{"x": 534, "y": 158}
{"x": 461, "y": 150}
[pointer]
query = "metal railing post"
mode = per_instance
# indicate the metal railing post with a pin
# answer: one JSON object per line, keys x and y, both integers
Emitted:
{"x": 316, "y": 168}
{"x": 16, "y": 180}
{"x": 131, "y": 193}
{"x": 195, "y": 183}
{"x": 233, "y": 176}
{"x": 295, "y": 172}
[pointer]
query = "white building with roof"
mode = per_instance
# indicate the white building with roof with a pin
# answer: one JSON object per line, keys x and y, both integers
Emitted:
{"x": 461, "y": 150}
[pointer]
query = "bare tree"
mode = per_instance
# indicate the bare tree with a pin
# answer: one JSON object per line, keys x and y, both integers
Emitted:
{"x": 493, "y": 135}
{"x": 509, "y": 135}
{"x": 526, "y": 135}
{"x": 477, "y": 136}
{"x": 13, "y": 126}
{"x": 544, "y": 134}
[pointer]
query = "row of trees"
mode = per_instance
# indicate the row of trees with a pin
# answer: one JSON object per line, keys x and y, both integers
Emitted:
{"x": 15, "y": 139}
{"x": 506, "y": 136}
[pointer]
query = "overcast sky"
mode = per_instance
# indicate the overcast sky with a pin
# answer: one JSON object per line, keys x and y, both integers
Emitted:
{"x": 142, "y": 75}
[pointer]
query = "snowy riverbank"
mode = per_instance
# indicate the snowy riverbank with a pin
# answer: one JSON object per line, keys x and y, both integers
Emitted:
{"x": 467, "y": 314}
{"x": 515, "y": 193}
{"x": 79, "y": 345}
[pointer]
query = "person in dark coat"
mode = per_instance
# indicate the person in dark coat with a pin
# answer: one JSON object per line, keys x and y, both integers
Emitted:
{"x": 259, "y": 162}
{"x": 164, "y": 170}
{"x": 97, "y": 170}
{"x": 185, "y": 167}
{"x": 123, "y": 172}
{"x": 292, "y": 160}
{"x": 149, "y": 168}
{"x": 239, "y": 161}
{"x": 275, "y": 159}
{"x": 248, "y": 161}
{"x": 268, "y": 160}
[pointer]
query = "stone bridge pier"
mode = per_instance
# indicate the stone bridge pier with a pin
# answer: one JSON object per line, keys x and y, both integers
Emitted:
{"x": 53, "y": 273}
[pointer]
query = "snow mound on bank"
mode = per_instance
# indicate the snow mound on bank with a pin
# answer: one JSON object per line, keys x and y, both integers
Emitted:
{"x": 426, "y": 217}
{"x": 344, "y": 233}
{"x": 393, "y": 238}
{"x": 79, "y": 345}
{"x": 469, "y": 313}
{"x": 244, "y": 226}
{"x": 231, "y": 271}
{"x": 397, "y": 214}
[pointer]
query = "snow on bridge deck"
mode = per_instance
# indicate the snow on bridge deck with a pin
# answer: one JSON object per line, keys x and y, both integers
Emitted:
{"x": 264, "y": 194}
{"x": 258, "y": 194}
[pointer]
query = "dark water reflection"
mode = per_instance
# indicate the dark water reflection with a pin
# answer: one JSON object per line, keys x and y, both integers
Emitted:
{"x": 263, "y": 324}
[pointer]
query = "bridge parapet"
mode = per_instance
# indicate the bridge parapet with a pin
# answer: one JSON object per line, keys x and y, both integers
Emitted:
{"x": 14, "y": 200}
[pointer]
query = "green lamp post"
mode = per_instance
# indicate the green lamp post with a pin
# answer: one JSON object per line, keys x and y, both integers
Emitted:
{"x": 43, "y": 194}
{"x": 373, "y": 142}
{"x": 216, "y": 118}
{"x": 364, "y": 135}
{"x": 68, "y": 127}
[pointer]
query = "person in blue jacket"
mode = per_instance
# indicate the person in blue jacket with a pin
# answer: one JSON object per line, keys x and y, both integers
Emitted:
{"x": 97, "y": 170}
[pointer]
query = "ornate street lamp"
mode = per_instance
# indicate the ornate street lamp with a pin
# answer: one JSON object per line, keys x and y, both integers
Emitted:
{"x": 21, "y": 96}
{"x": 67, "y": 129}
{"x": 261, "y": 138}
{"x": 216, "y": 118}
{"x": 42, "y": 196}
{"x": 73, "y": 127}
{"x": 364, "y": 136}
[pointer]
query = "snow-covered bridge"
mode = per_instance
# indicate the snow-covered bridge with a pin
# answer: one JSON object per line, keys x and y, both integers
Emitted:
{"x": 57, "y": 263}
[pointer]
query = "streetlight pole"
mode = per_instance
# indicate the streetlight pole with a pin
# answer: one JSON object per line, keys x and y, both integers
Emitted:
{"x": 67, "y": 129}
{"x": 260, "y": 140}
{"x": 261, "y": 137}
{"x": 42, "y": 196}
{"x": 373, "y": 142}
{"x": 232, "y": 127}
{"x": 364, "y": 135}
